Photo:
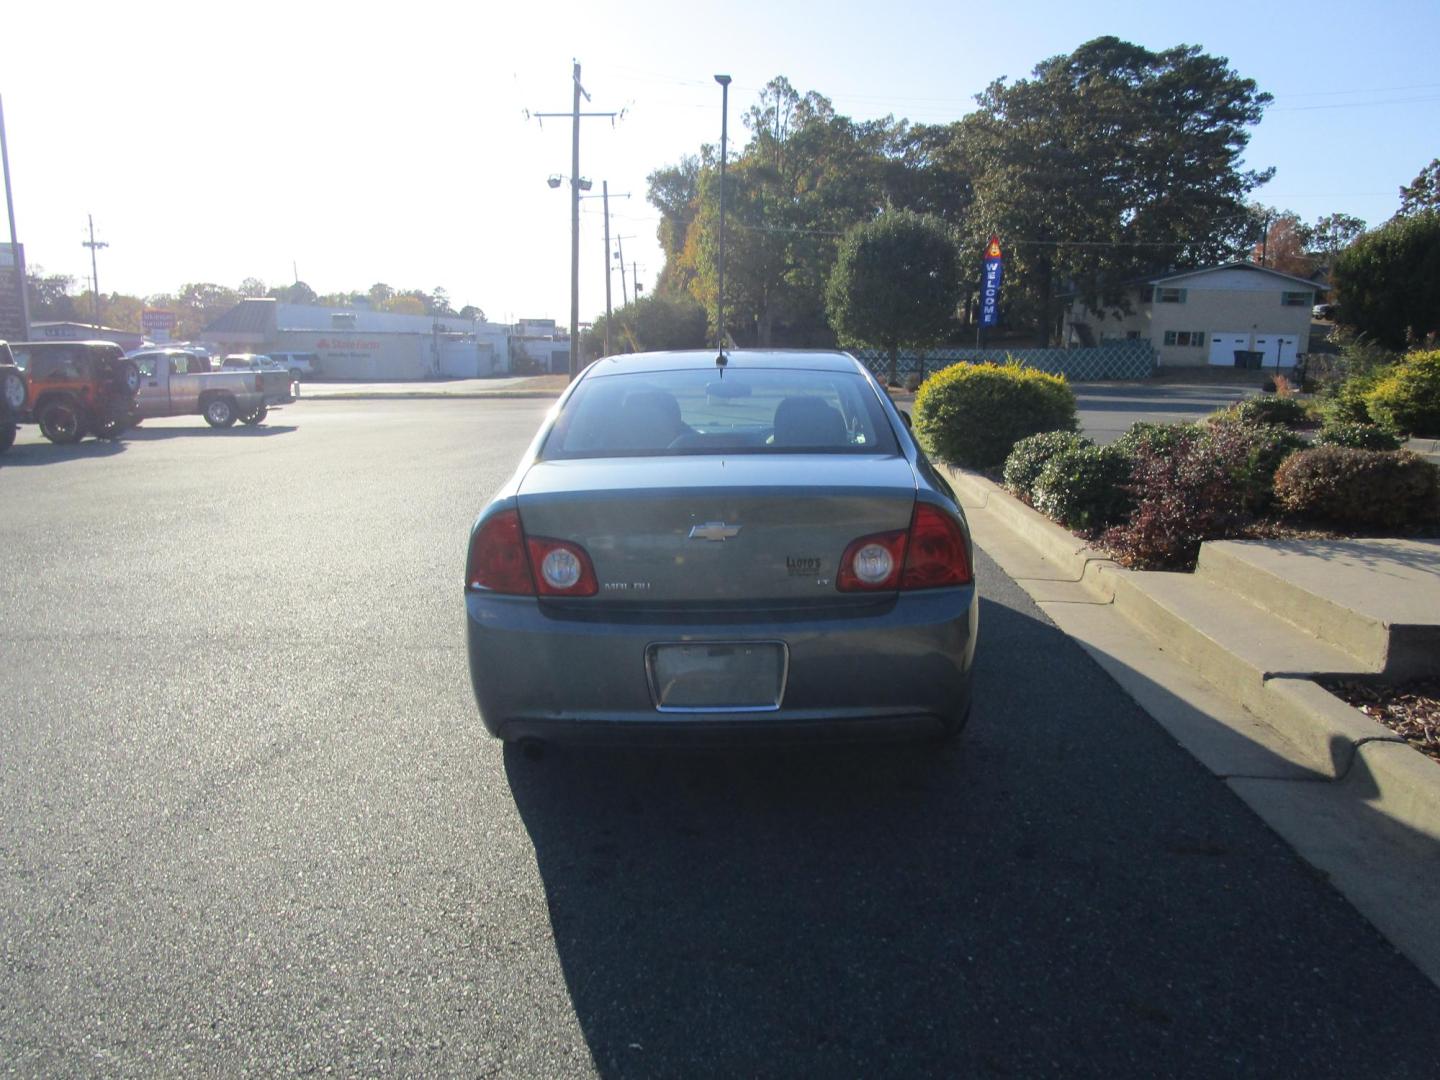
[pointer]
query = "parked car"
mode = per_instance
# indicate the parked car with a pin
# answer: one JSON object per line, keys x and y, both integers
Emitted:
{"x": 694, "y": 547}
{"x": 301, "y": 365}
{"x": 12, "y": 397}
{"x": 248, "y": 362}
{"x": 78, "y": 388}
{"x": 176, "y": 383}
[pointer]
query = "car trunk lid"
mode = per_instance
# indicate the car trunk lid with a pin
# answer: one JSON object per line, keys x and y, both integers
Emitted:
{"x": 743, "y": 528}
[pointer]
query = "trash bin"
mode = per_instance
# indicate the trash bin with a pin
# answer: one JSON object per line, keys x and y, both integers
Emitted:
{"x": 1249, "y": 358}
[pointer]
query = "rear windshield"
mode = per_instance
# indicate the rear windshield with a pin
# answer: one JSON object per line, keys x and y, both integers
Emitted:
{"x": 707, "y": 411}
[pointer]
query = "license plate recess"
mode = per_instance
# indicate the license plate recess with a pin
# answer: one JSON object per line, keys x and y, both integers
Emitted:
{"x": 717, "y": 676}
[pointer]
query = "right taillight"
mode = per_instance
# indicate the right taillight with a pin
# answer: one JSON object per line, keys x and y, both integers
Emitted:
{"x": 497, "y": 559}
{"x": 937, "y": 554}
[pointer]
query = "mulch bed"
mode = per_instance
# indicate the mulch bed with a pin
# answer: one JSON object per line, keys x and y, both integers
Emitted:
{"x": 1411, "y": 710}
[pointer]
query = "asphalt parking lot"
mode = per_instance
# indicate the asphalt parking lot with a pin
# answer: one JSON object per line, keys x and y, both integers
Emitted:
{"x": 249, "y": 822}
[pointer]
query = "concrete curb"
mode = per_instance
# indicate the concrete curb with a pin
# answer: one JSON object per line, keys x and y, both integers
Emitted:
{"x": 427, "y": 395}
{"x": 1083, "y": 563}
{"x": 1341, "y": 741}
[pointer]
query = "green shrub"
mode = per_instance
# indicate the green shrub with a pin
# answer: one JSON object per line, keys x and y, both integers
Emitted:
{"x": 1085, "y": 488}
{"x": 1029, "y": 456}
{"x": 1184, "y": 494}
{"x": 1254, "y": 452}
{"x": 1358, "y": 437}
{"x": 1407, "y": 397}
{"x": 973, "y": 414}
{"x": 1272, "y": 409}
{"x": 1146, "y": 435}
{"x": 1346, "y": 404}
{"x": 1359, "y": 487}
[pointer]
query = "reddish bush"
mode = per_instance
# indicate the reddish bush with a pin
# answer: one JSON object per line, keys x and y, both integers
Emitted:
{"x": 1370, "y": 488}
{"x": 1184, "y": 494}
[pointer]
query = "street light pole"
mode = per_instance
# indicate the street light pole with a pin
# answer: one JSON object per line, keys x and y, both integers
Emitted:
{"x": 15, "y": 253}
{"x": 605, "y": 195}
{"x": 724, "y": 81}
{"x": 94, "y": 244}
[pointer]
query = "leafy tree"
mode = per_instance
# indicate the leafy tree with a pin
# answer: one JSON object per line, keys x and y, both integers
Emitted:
{"x": 405, "y": 304}
{"x": 1333, "y": 233}
{"x": 298, "y": 293}
{"x": 254, "y": 287}
{"x": 440, "y": 302}
{"x": 659, "y": 321}
{"x": 895, "y": 284}
{"x": 1422, "y": 193}
{"x": 470, "y": 311}
{"x": 1285, "y": 246}
{"x": 1389, "y": 280}
{"x": 1108, "y": 163}
{"x": 379, "y": 293}
{"x": 50, "y": 296}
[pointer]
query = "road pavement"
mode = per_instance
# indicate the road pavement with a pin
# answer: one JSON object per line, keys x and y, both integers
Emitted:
{"x": 1106, "y": 410}
{"x": 249, "y": 822}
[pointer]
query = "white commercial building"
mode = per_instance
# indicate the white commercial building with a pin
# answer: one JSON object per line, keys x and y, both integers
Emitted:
{"x": 361, "y": 344}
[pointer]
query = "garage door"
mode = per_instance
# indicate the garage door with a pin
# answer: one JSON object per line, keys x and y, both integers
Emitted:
{"x": 1223, "y": 344}
{"x": 1279, "y": 349}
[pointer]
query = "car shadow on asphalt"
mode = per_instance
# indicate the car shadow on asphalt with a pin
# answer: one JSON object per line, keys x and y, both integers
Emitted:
{"x": 46, "y": 453}
{"x": 1059, "y": 891}
{"x": 239, "y": 431}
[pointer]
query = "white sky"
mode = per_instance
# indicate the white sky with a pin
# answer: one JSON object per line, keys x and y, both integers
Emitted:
{"x": 368, "y": 142}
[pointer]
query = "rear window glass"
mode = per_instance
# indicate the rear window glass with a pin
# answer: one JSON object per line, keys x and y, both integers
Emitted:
{"x": 705, "y": 411}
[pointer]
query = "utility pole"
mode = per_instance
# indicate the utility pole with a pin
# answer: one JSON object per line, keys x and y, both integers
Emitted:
{"x": 605, "y": 195}
{"x": 635, "y": 280}
{"x": 94, "y": 245}
{"x": 575, "y": 116}
{"x": 620, "y": 243}
{"x": 15, "y": 252}
{"x": 724, "y": 81}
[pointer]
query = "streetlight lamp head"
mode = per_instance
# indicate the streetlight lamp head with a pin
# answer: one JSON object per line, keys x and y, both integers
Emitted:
{"x": 585, "y": 185}
{"x": 553, "y": 181}
{"x": 723, "y": 80}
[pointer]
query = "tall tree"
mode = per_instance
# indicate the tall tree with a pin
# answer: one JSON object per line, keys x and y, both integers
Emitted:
{"x": 1422, "y": 193}
{"x": 1111, "y": 162}
{"x": 1333, "y": 233}
{"x": 895, "y": 284}
{"x": 253, "y": 287}
{"x": 1388, "y": 280}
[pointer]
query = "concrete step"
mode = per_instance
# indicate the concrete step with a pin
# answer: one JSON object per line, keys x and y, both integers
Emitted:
{"x": 1261, "y": 660}
{"x": 1377, "y": 600}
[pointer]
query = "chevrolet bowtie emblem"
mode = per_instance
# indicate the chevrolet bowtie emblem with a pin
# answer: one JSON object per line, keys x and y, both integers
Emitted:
{"x": 713, "y": 530}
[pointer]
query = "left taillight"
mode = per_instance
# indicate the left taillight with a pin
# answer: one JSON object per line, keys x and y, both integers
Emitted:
{"x": 498, "y": 562}
{"x": 504, "y": 560}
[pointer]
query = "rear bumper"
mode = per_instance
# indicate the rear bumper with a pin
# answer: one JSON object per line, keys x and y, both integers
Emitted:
{"x": 896, "y": 667}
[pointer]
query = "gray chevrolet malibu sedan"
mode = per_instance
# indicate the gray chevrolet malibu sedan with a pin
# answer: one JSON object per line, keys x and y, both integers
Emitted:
{"x": 700, "y": 545}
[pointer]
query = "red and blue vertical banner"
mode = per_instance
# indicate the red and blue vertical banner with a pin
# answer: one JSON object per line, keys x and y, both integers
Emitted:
{"x": 990, "y": 290}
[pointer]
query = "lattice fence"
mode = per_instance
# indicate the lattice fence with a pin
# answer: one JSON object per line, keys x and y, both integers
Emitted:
{"x": 1115, "y": 360}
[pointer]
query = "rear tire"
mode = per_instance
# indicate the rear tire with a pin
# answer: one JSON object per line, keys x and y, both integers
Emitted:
{"x": 251, "y": 419}
{"x": 127, "y": 377}
{"x": 220, "y": 411}
{"x": 62, "y": 421}
{"x": 110, "y": 429}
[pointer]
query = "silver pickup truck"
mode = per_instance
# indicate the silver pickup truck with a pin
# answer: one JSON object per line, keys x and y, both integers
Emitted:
{"x": 174, "y": 382}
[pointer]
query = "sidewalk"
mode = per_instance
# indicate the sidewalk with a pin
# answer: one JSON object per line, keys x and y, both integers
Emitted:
{"x": 522, "y": 386}
{"x": 1224, "y": 658}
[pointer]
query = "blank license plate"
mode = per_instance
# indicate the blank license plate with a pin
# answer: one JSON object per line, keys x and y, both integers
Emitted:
{"x": 717, "y": 676}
